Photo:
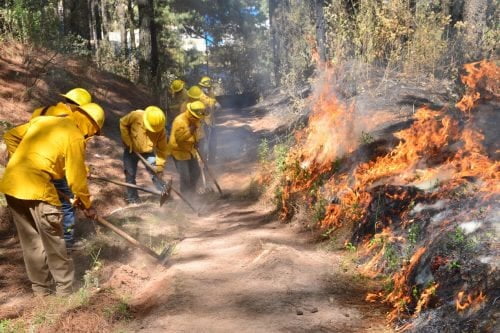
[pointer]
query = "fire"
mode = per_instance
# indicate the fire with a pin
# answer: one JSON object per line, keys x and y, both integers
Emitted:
{"x": 482, "y": 75}
{"x": 423, "y": 140}
{"x": 327, "y": 137}
{"x": 438, "y": 145}
{"x": 425, "y": 298}
{"x": 462, "y": 302}
{"x": 400, "y": 295}
{"x": 328, "y": 134}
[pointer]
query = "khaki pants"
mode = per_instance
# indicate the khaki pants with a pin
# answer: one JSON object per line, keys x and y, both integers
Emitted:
{"x": 41, "y": 235}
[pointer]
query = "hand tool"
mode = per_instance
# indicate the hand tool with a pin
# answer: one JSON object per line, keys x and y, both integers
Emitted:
{"x": 205, "y": 166}
{"x": 164, "y": 194}
{"x": 162, "y": 257}
{"x": 150, "y": 167}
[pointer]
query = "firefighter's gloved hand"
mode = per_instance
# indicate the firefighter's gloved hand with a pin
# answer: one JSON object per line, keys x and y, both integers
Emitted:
{"x": 75, "y": 202}
{"x": 159, "y": 170}
{"x": 90, "y": 213}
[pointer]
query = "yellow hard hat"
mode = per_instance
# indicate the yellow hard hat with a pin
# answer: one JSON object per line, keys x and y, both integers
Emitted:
{"x": 205, "y": 82}
{"x": 177, "y": 85}
{"x": 78, "y": 96}
{"x": 197, "y": 109}
{"x": 194, "y": 92}
{"x": 154, "y": 119}
{"x": 96, "y": 113}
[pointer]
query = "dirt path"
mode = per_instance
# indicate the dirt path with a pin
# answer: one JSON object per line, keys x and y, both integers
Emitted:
{"x": 237, "y": 269}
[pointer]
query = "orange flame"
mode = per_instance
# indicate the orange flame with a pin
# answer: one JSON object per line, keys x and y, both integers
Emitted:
{"x": 462, "y": 302}
{"x": 482, "y": 75}
{"x": 400, "y": 295}
{"x": 425, "y": 298}
{"x": 436, "y": 144}
{"x": 425, "y": 139}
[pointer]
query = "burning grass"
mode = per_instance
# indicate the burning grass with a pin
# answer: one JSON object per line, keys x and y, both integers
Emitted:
{"x": 418, "y": 213}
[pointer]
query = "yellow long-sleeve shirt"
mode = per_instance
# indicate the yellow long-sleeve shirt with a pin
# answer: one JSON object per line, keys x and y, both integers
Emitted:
{"x": 210, "y": 102}
{"x": 44, "y": 149}
{"x": 139, "y": 139}
{"x": 184, "y": 136}
{"x": 176, "y": 103}
{"x": 60, "y": 110}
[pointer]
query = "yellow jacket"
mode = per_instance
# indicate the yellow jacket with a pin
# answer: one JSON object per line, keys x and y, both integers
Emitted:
{"x": 44, "y": 149}
{"x": 176, "y": 103}
{"x": 209, "y": 102}
{"x": 60, "y": 110}
{"x": 136, "y": 137}
{"x": 184, "y": 136}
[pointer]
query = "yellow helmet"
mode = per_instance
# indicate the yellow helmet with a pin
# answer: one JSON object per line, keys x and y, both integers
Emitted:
{"x": 197, "y": 109}
{"x": 194, "y": 92}
{"x": 78, "y": 96}
{"x": 154, "y": 119}
{"x": 205, "y": 82}
{"x": 177, "y": 85}
{"x": 96, "y": 113}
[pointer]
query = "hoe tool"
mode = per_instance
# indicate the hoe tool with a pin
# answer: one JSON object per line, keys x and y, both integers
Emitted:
{"x": 204, "y": 166}
{"x": 162, "y": 257}
{"x": 165, "y": 185}
{"x": 164, "y": 194}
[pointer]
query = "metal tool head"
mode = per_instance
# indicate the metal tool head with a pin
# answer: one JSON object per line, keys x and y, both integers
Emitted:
{"x": 165, "y": 192}
{"x": 165, "y": 254}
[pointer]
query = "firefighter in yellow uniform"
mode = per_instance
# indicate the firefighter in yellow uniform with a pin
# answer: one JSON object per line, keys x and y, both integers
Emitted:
{"x": 209, "y": 144}
{"x": 184, "y": 138}
{"x": 178, "y": 95}
{"x": 194, "y": 94}
{"x": 44, "y": 149}
{"x": 72, "y": 99}
{"x": 143, "y": 132}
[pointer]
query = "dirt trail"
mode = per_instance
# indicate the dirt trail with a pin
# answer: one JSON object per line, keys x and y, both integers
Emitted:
{"x": 238, "y": 269}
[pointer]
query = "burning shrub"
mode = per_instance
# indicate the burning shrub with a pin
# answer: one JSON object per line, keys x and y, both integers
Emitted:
{"x": 418, "y": 213}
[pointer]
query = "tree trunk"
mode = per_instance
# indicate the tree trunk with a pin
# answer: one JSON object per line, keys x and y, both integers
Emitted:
{"x": 320, "y": 30}
{"x": 148, "y": 58}
{"x": 273, "y": 4}
{"x": 92, "y": 25}
{"x": 122, "y": 20}
{"x": 131, "y": 24}
{"x": 475, "y": 17}
{"x": 104, "y": 19}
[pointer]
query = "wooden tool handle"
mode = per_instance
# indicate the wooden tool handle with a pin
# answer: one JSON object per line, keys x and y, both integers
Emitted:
{"x": 127, "y": 237}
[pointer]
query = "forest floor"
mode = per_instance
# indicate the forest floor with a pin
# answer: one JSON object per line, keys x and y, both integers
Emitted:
{"x": 235, "y": 267}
